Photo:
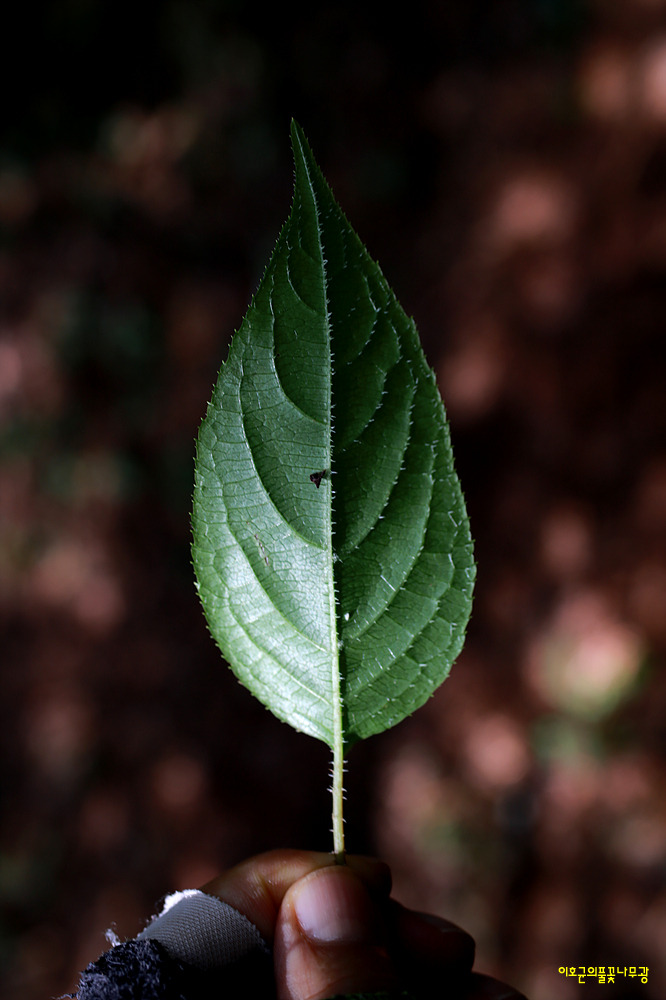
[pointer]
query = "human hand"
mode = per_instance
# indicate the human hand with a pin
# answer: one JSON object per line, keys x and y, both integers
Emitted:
{"x": 334, "y": 930}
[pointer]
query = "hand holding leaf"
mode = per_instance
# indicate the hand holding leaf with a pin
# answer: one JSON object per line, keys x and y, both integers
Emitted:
{"x": 331, "y": 543}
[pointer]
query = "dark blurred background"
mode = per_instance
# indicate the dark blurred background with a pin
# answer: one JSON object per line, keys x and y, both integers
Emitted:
{"x": 506, "y": 163}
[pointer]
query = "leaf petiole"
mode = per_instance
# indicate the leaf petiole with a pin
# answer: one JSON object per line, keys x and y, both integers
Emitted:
{"x": 337, "y": 791}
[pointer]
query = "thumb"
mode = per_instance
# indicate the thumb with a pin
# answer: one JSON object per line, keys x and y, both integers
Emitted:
{"x": 330, "y": 938}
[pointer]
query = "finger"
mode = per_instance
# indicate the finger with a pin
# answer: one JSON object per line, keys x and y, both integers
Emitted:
{"x": 485, "y": 988}
{"x": 256, "y": 887}
{"x": 331, "y": 938}
{"x": 425, "y": 947}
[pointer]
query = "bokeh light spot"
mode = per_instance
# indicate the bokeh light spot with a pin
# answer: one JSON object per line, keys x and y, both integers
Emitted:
{"x": 586, "y": 660}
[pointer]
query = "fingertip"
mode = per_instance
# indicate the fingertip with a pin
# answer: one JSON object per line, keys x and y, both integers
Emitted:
{"x": 330, "y": 938}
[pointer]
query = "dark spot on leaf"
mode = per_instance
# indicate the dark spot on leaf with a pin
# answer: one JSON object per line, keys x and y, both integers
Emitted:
{"x": 317, "y": 477}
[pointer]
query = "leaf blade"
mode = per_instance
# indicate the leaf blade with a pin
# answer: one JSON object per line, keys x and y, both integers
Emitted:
{"x": 347, "y": 593}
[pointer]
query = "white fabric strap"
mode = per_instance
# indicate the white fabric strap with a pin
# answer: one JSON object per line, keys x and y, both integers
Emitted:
{"x": 204, "y": 931}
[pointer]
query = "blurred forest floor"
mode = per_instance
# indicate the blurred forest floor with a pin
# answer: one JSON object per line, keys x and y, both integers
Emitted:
{"x": 506, "y": 163}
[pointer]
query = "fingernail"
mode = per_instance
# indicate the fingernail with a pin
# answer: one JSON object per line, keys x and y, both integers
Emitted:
{"x": 332, "y": 905}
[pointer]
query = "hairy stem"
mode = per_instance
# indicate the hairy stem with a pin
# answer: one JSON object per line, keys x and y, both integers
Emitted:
{"x": 337, "y": 790}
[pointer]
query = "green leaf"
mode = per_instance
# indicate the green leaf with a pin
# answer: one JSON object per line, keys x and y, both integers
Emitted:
{"x": 331, "y": 543}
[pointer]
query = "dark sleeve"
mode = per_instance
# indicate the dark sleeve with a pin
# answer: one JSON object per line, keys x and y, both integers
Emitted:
{"x": 197, "y": 948}
{"x": 144, "y": 970}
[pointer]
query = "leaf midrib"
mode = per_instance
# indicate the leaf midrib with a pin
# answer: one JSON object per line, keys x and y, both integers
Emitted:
{"x": 336, "y": 690}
